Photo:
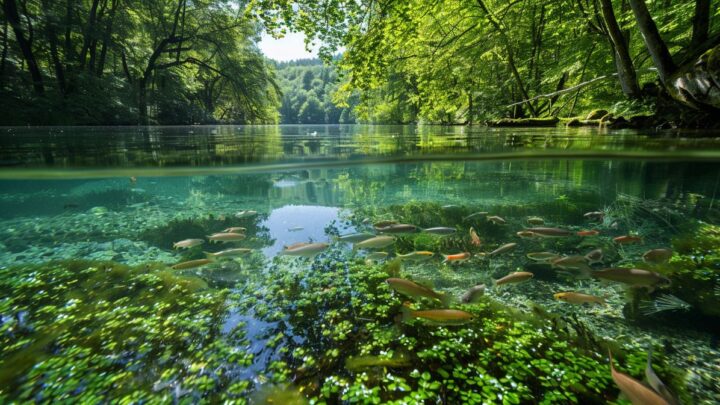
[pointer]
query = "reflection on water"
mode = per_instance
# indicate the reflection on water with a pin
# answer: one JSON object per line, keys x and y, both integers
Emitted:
{"x": 126, "y": 147}
{"x": 298, "y": 223}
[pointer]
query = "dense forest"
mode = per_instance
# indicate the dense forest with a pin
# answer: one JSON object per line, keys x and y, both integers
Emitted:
{"x": 308, "y": 87}
{"x": 130, "y": 62}
{"x": 455, "y": 61}
{"x": 440, "y": 61}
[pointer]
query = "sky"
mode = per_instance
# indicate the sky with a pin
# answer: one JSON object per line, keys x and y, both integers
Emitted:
{"x": 290, "y": 47}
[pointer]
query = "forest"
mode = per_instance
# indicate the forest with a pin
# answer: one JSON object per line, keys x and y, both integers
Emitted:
{"x": 441, "y": 61}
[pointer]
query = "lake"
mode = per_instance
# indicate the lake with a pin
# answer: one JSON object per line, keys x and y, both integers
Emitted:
{"x": 209, "y": 264}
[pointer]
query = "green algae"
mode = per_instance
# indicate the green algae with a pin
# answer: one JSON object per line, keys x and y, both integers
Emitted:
{"x": 95, "y": 331}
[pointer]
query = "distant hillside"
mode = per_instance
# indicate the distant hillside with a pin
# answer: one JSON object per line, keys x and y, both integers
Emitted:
{"x": 307, "y": 87}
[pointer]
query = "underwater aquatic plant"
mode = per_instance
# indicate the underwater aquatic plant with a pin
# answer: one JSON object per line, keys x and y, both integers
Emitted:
{"x": 665, "y": 302}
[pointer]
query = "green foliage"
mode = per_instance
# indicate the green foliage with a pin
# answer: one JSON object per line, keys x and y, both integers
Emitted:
{"x": 456, "y": 61}
{"x": 308, "y": 88}
{"x": 117, "y": 62}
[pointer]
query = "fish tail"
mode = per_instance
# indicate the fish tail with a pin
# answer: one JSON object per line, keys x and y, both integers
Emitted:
{"x": 407, "y": 313}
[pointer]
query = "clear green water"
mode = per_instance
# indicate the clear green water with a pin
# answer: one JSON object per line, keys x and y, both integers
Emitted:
{"x": 91, "y": 310}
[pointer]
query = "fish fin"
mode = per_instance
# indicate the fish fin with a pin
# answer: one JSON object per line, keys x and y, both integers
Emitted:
{"x": 446, "y": 300}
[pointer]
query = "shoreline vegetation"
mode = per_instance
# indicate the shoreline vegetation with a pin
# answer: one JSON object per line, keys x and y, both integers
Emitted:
{"x": 524, "y": 63}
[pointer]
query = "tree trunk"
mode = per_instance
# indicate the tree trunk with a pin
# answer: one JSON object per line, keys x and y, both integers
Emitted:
{"x": 142, "y": 101}
{"x": 89, "y": 33}
{"x": 696, "y": 83}
{"x": 106, "y": 39}
{"x": 4, "y": 53}
{"x": 653, "y": 41}
{"x": 623, "y": 61}
{"x": 25, "y": 45}
{"x": 701, "y": 23}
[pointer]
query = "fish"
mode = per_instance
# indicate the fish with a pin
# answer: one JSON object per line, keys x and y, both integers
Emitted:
{"x": 304, "y": 250}
{"x": 594, "y": 256}
{"x": 634, "y": 390}
{"x": 295, "y": 245}
{"x": 245, "y": 214}
{"x": 578, "y": 298}
{"x": 571, "y": 262}
{"x": 440, "y": 230}
{"x": 235, "y": 229}
{"x": 588, "y": 233}
{"x": 224, "y": 237}
{"x": 133, "y": 180}
{"x": 657, "y": 384}
{"x": 383, "y": 224}
{"x": 627, "y": 239}
{"x": 496, "y": 220}
{"x": 596, "y": 215}
{"x": 295, "y": 229}
{"x": 476, "y": 214}
{"x": 535, "y": 221}
{"x": 416, "y": 256}
{"x": 633, "y": 277}
{"x": 357, "y": 363}
{"x": 549, "y": 232}
{"x": 188, "y": 243}
{"x": 657, "y": 256}
{"x": 525, "y": 234}
{"x": 502, "y": 249}
{"x": 353, "y": 237}
{"x": 376, "y": 242}
{"x": 515, "y": 277}
{"x": 450, "y": 207}
{"x": 458, "y": 257}
{"x": 375, "y": 256}
{"x": 191, "y": 264}
{"x": 474, "y": 238}
{"x": 229, "y": 253}
{"x": 398, "y": 228}
{"x": 438, "y": 316}
{"x": 543, "y": 257}
{"x": 473, "y": 294}
{"x": 414, "y": 290}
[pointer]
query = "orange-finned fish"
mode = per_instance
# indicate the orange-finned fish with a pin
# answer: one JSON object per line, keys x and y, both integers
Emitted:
{"x": 304, "y": 250}
{"x": 578, "y": 298}
{"x": 458, "y": 257}
{"x": 191, "y": 264}
{"x": 474, "y": 238}
{"x": 516, "y": 277}
{"x": 588, "y": 233}
{"x": 627, "y": 239}
{"x": 634, "y": 390}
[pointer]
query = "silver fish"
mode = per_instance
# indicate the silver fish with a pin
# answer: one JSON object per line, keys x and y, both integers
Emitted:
{"x": 354, "y": 237}
{"x": 440, "y": 230}
{"x": 473, "y": 294}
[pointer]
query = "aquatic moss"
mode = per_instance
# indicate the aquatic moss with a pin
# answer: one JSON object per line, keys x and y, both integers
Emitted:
{"x": 338, "y": 310}
{"x": 95, "y": 331}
